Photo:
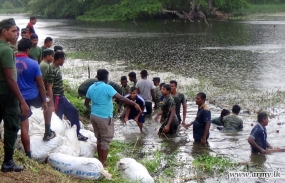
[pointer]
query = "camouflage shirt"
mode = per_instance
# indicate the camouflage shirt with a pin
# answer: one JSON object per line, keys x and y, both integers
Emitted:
{"x": 179, "y": 99}
{"x": 158, "y": 95}
{"x": 232, "y": 122}
{"x": 54, "y": 77}
{"x": 168, "y": 103}
{"x": 125, "y": 90}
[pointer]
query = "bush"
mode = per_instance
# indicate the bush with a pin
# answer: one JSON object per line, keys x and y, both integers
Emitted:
{"x": 7, "y": 5}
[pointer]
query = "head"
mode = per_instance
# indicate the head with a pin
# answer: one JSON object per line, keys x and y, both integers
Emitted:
{"x": 24, "y": 45}
{"x": 48, "y": 42}
{"x": 24, "y": 33}
{"x": 200, "y": 98}
{"x": 143, "y": 74}
{"x": 18, "y": 33}
{"x": 102, "y": 75}
{"x": 8, "y": 30}
{"x": 224, "y": 113}
{"x": 57, "y": 48}
{"x": 262, "y": 118}
{"x": 173, "y": 85}
{"x": 132, "y": 76}
{"x": 133, "y": 92}
{"x": 33, "y": 20}
{"x": 165, "y": 89}
{"x": 59, "y": 58}
{"x": 124, "y": 81}
{"x": 160, "y": 85}
{"x": 156, "y": 81}
{"x": 236, "y": 109}
{"x": 34, "y": 38}
{"x": 48, "y": 55}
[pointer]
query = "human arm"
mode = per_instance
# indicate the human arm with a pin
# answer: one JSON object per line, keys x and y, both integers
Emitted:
{"x": 206, "y": 133}
{"x": 42, "y": 91}
{"x": 153, "y": 96}
{"x": 157, "y": 116}
{"x": 252, "y": 142}
{"x": 127, "y": 114}
{"x": 184, "y": 113}
{"x": 138, "y": 115}
{"x": 87, "y": 103}
{"x": 268, "y": 145}
{"x": 9, "y": 73}
{"x": 50, "y": 95}
{"x": 172, "y": 113}
{"x": 127, "y": 101}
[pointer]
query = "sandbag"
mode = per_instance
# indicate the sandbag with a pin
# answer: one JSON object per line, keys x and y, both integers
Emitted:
{"x": 131, "y": 127}
{"x": 79, "y": 167}
{"x": 87, "y": 149}
{"x": 57, "y": 125}
{"x": 63, "y": 149}
{"x": 134, "y": 171}
{"x": 37, "y": 116}
{"x": 70, "y": 140}
{"x": 89, "y": 134}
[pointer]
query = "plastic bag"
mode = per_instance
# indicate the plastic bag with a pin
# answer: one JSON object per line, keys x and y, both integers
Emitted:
{"x": 87, "y": 149}
{"x": 70, "y": 140}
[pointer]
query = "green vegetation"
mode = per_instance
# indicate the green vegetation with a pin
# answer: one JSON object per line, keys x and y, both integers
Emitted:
{"x": 11, "y": 11}
{"x": 261, "y": 9}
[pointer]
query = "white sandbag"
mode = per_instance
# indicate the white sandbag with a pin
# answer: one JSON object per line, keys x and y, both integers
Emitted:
{"x": 89, "y": 134}
{"x": 35, "y": 129}
{"x": 131, "y": 127}
{"x": 68, "y": 124}
{"x": 57, "y": 125}
{"x": 134, "y": 171}
{"x": 79, "y": 167}
{"x": 87, "y": 149}
{"x": 37, "y": 116}
{"x": 63, "y": 149}
{"x": 70, "y": 140}
{"x": 2, "y": 129}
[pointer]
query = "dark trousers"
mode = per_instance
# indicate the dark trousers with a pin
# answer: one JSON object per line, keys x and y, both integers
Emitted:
{"x": 64, "y": 107}
{"x": 148, "y": 107}
{"x": 10, "y": 113}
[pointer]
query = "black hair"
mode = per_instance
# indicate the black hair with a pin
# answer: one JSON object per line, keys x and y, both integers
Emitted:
{"x": 124, "y": 78}
{"x": 102, "y": 74}
{"x": 132, "y": 75}
{"x": 34, "y": 36}
{"x": 156, "y": 79}
{"x": 59, "y": 55}
{"x": 236, "y": 109}
{"x": 224, "y": 113}
{"x": 18, "y": 29}
{"x": 173, "y": 82}
{"x": 132, "y": 89}
{"x": 261, "y": 116}
{"x": 47, "y": 52}
{"x": 202, "y": 95}
{"x": 57, "y": 48}
{"x": 144, "y": 73}
{"x": 167, "y": 87}
{"x": 48, "y": 39}
{"x": 33, "y": 18}
{"x": 161, "y": 84}
{"x": 24, "y": 44}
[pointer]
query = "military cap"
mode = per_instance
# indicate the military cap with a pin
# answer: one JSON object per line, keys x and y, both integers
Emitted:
{"x": 7, "y": 22}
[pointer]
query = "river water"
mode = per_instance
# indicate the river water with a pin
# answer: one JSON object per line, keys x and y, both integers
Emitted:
{"x": 233, "y": 62}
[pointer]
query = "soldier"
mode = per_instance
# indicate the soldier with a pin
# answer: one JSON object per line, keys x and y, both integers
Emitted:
{"x": 24, "y": 33}
{"x": 125, "y": 87}
{"x": 233, "y": 122}
{"x": 133, "y": 78}
{"x": 157, "y": 92}
{"x": 10, "y": 95}
{"x": 14, "y": 44}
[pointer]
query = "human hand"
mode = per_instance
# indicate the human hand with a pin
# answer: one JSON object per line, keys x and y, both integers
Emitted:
{"x": 156, "y": 118}
{"x": 136, "y": 119}
{"x": 25, "y": 110}
{"x": 44, "y": 107}
{"x": 125, "y": 119}
{"x": 166, "y": 129}
{"x": 138, "y": 107}
{"x": 203, "y": 141}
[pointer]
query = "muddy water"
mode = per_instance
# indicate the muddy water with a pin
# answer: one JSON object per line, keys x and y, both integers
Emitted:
{"x": 242, "y": 62}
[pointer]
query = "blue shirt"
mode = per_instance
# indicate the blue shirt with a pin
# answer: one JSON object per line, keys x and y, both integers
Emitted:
{"x": 101, "y": 95}
{"x": 140, "y": 101}
{"x": 260, "y": 136}
{"x": 27, "y": 70}
{"x": 203, "y": 117}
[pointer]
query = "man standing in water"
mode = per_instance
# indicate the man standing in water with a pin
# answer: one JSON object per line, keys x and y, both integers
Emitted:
{"x": 179, "y": 99}
{"x": 146, "y": 90}
{"x": 10, "y": 95}
{"x": 133, "y": 78}
{"x": 101, "y": 94}
{"x": 30, "y": 26}
{"x": 202, "y": 123}
{"x": 233, "y": 122}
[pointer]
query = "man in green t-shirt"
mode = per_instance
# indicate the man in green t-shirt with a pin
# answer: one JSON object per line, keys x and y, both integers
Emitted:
{"x": 14, "y": 43}
{"x": 47, "y": 44}
{"x": 133, "y": 78}
{"x": 10, "y": 95}
{"x": 48, "y": 56}
{"x": 35, "y": 52}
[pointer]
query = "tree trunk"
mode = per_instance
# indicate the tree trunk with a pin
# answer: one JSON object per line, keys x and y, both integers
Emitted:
{"x": 211, "y": 4}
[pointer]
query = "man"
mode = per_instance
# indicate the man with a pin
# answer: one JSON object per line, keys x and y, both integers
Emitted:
{"x": 30, "y": 26}
{"x": 48, "y": 56}
{"x": 32, "y": 88}
{"x": 10, "y": 95}
{"x": 202, "y": 123}
{"x": 35, "y": 52}
{"x": 57, "y": 48}
{"x": 233, "y": 122}
{"x": 124, "y": 85}
{"x": 146, "y": 90}
{"x": 24, "y": 33}
{"x": 14, "y": 44}
{"x": 157, "y": 92}
{"x": 179, "y": 100}
{"x": 258, "y": 135}
{"x": 133, "y": 78}
{"x": 47, "y": 44}
{"x": 101, "y": 95}
{"x": 55, "y": 90}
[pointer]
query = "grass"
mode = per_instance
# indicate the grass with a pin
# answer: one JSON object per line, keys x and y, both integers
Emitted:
{"x": 12, "y": 11}
{"x": 261, "y": 9}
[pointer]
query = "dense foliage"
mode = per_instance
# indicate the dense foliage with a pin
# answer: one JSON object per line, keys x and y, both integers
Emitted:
{"x": 123, "y": 9}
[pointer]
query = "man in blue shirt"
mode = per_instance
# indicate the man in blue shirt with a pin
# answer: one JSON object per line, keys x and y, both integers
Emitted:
{"x": 258, "y": 135}
{"x": 32, "y": 88}
{"x": 202, "y": 123}
{"x": 101, "y": 95}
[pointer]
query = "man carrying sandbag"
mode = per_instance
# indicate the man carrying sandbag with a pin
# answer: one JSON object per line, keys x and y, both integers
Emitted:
{"x": 101, "y": 95}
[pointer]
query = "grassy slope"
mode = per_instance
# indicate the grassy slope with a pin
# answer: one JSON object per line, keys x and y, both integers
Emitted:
{"x": 257, "y": 9}
{"x": 12, "y": 11}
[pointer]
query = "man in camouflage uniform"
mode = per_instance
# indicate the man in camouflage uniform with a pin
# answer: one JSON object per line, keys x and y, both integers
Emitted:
{"x": 133, "y": 78}
{"x": 10, "y": 95}
{"x": 157, "y": 92}
{"x": 168, "y": 113}
{"x": 233, "y": 122}
{"x": 125, "y": 87}
{"x": 14, "y": 43}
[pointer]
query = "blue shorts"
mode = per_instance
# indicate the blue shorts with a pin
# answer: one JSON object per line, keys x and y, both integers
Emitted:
{"x": 141, "y": 118}
{"x": 36, "y": 102}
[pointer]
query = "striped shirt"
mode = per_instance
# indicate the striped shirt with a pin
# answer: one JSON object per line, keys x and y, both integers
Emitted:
{"x": 54, "y": 77}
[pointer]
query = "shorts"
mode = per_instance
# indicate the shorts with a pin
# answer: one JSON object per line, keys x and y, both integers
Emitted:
{"x": 103, "y": 130}
{"x": 148, "y": 106}
{"x": 35, "y": 102}
{"x": 173, "y": 127}
{"x": 141, "y": 118}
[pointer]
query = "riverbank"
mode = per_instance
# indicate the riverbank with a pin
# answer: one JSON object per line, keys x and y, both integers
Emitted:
{"x": 12, "y": 11}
